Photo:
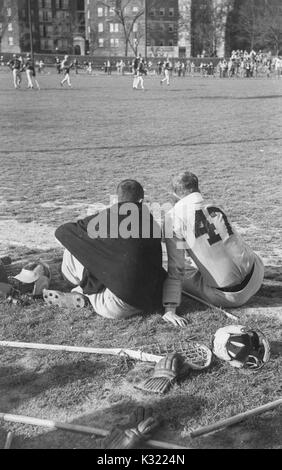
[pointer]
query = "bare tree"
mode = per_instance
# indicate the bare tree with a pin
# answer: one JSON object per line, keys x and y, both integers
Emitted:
{"x": 128, "y": 20}
{"x": 209, "y": 22}
{"x": 251, "y": 23}
{"x": 272, "y": 25}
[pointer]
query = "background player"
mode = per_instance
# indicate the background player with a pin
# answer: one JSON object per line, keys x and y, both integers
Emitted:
{"x": 65, "y": 67}
{"x": 228, "y": 272}
{"x": 166, "y": 72}
{"x": 30, "y": 72}
{"x": 136, "y": 63}
{"x": 16, "y": 65}
{"x": 140, "y": 73}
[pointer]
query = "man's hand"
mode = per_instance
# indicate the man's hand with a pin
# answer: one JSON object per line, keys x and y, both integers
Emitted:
{"x": 171, "y": 317}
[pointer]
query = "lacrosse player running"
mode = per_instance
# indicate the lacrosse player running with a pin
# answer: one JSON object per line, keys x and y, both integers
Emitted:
{"x": 65, "y": 67}
{"x": 228, "y": 272}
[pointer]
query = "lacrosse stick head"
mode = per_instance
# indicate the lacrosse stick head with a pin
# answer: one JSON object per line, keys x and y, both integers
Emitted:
{"x": 196, "y": 355}
{"x": 241, "y": 347}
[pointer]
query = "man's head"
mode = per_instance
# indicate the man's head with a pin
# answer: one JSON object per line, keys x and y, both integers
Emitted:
{"x": 185, "y": 183}
{"x": 130, "y": 191}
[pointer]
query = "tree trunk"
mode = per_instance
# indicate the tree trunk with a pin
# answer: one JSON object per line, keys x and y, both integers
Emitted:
{"x": 126, "y": 47}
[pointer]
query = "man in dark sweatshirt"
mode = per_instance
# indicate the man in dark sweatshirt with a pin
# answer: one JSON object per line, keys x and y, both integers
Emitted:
{"x": 113, "y": 258}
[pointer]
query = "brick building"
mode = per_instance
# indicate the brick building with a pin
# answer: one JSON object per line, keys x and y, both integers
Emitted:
{"x": 57, "y": 26}
{"x": 105, "y": 28}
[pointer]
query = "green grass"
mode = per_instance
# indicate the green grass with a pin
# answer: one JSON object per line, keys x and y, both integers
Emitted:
{"x": 60, "y": 151}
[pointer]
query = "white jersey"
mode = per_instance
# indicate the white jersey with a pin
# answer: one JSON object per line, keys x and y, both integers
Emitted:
{"x": 219, "y": 252}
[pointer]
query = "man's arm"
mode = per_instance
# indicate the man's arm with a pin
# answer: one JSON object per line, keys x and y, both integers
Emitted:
{"x": 172, "y": 289}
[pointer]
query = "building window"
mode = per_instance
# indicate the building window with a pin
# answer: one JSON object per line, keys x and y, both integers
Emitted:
{"x": 170, "y": 28}
{"x": 116, "y": 42}
{"x": 10, "y": 41}
{"x": 10, "y": 27}
{"x": 43, "y": 44}
{"x": 170, "y": 42}
{"x": 23, "y": 13}
{"x": 100, "y": 27}
{"x": 101, "y": 42}
{"x": 112, "y": 11}
{"x": 62, "y": 4}
{"x": 47, "y": 15}
{"x": 152, "y": 12}
{"x": 113, "y": 27}
{"x": 89, "y": 30}
{"x": 45, "y": 4}
{"x": 171, "y": 12}
{"x": 162, "y": 11}
{"x": 135, "y": 27}
{"x": 9, "y": 11}
{"x": 112, "y": 42}
{"x": 135, "y": 10}
{"x": 161, "y": 43}
{"x": 100, "y": 11}
{"x": 88, "y": 14}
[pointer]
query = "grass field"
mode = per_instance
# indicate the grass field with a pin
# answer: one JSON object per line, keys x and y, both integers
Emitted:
{"x": 61, "y": 150}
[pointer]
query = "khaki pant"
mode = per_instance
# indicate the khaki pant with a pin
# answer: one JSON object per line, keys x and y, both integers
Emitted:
{"x": 105, "y": 303}
{"x": 17, "y": 78}
{"x": 195, "y": 285}
{"x": 166, "y": 76}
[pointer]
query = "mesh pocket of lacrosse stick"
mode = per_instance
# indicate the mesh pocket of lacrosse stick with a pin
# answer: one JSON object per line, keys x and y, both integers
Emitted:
{"x": 196, "y": 355}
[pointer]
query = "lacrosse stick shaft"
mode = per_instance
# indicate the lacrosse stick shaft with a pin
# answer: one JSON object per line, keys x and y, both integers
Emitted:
{"x": 46, "y": 423}
{"x": 227, "y": 314}
{"x": 9, "y": 439}
{"x": 138, "y": 355}
{"x": 236, "y": 419}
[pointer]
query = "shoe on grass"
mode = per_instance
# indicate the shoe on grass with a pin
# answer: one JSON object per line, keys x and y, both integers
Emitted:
{"x": 64, "y": 299}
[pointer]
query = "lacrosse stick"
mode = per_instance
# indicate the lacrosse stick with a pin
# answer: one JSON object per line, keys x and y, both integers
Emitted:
{"x": 138, "y": 355}
{"x": 236, "y": 419}
{"x": 219, "y": 309}
{"x": 75, "y": 428}
{"x": 9, "y": 439}
{"x": 197, "y": 355}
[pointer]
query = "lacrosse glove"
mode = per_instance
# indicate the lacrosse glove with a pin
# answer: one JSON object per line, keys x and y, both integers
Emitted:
{"x": 165, "y": 373}
{"x": 142, "y": 424}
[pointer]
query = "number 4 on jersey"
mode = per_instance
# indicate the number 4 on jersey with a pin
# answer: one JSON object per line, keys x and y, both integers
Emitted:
{"x": 203, "y": 226}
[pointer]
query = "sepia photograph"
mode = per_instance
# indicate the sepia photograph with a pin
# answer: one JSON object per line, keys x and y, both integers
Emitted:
{"x": 141, "y": 227}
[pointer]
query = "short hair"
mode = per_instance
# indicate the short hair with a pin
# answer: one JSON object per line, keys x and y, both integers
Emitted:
{"x": 185, "y": 181}
{"x": 130, "y": 191}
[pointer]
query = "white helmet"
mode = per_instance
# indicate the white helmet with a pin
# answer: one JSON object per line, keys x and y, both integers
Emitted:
{"x": 241, "y": 347}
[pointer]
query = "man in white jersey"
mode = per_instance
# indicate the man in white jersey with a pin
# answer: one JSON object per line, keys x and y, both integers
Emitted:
{"x": 65, "y": 67}
{"x": 228, "y": 272}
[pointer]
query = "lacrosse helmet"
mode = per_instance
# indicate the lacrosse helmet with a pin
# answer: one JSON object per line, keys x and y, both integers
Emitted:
{"x": 241, "y": 347}
{"x": 36, "y": 276}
